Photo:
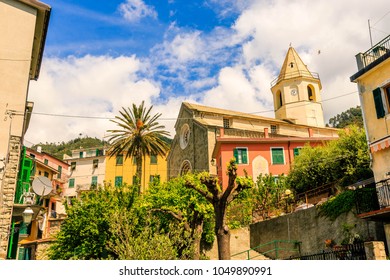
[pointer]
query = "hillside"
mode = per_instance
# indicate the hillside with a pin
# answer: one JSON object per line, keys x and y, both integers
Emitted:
{"x": 59, "y": 149}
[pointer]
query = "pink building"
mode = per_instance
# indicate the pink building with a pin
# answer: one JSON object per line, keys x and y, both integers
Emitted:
{"x": 266, "y": 155}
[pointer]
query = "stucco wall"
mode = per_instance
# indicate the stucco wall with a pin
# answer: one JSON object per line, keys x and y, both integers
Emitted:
{"x": 312, "y": 230}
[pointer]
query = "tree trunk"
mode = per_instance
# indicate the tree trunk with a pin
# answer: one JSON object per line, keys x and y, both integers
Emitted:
{"x": 139, "y": 173}
{"x": 197, "y": 238}
{"x": 222, "y": 232}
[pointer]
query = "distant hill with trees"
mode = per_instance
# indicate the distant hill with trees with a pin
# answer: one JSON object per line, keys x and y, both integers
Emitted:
{"x": 60, "y": 148}
{"x": 346, "y": 118}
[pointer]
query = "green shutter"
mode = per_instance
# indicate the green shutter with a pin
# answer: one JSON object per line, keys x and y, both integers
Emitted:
{"x": 277, "y": 156}
{"x": 296, "y": 152}
{"x": 235, "y": 154}
{"x": 71, "y": 183}
{"x": 380, "y": 111}
{"x": 244, "y": 155}
{"x": 94, "y": 181}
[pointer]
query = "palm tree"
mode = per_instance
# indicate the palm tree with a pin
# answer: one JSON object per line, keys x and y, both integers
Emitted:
{"x": 139, "y": 135}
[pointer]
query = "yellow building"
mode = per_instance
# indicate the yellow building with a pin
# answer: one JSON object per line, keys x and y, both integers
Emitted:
{"x": 373, "y": 80}
{"x": 121, "y": 170}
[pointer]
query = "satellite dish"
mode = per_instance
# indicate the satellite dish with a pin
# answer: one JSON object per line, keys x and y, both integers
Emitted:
{"x": 41, "y": 185}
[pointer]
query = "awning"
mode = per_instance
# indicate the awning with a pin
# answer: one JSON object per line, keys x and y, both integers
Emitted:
{"x": 380, "y": 145}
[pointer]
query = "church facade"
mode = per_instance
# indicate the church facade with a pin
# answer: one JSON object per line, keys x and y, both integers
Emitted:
{"x": 207, "y": 138}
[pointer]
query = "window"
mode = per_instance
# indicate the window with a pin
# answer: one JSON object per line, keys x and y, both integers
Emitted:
{"x": 279, "y": 100}
{"x": 99, "y": 152}
{"x": 73, "y": 165}
{"x": 296, "y": 151}
{"x": 81, "y": 154}
{"x": 46, "y": 161}
{"x": 119, "y": 160}
{"x": 118, "y": 181}
{"x": 241, "y": 155}
{"x": 153, "y": 159}
{"x": 185, "y": 133}
{"x": 185, "y": 167}
{"x": 46, "y": 174}
{"x": 154, "y": 178}
{"x": 59, "y": 172}
{"x": 94, "y": 181}
{"x": 274, "y": 129}
{"x": 382, "y": 101}
{"x": 310, "y": 93}
{"x": 95, "y": 163}
{"x": 277, "y": 155}
{"x": 387, "y": 95}
{"x": 134, "y": 161}
{"x": 71, "y": 183}
{"x": 226, "y": 123}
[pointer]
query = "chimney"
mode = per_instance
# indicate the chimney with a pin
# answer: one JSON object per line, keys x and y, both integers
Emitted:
{"x": 266, "y": 135}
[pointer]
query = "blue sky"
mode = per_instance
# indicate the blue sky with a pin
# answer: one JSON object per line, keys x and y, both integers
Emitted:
{"x": 101, "y": 56}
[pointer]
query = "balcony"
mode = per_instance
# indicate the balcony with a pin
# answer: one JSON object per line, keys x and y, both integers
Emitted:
{"x": 371, "y": 58}
{"x": 373, "y": 201}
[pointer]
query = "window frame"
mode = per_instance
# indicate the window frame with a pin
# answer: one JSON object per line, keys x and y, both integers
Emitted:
{"x": 226, "y": 123}
{"x": 244, "y": 157}
{"x": 155, "y": 161}
{"x": 119, "y": 160}
{"x": 274, "y": 162}
{"x": 117, "y": 179}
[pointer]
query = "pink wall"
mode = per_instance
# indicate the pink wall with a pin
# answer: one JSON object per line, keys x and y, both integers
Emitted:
{"x": 263, "y": 149}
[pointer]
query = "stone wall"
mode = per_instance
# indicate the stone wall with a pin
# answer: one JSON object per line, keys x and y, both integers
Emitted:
{"x": 8, "y": 186}
{"x": 312, "y": 230}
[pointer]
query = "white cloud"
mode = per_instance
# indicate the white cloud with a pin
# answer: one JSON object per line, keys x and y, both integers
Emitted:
{"x": 87, "y": 86}
{"x": 229, "y": 68}
{"x": 135, "y": 10}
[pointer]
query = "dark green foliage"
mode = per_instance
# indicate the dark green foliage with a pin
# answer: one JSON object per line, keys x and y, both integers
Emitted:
{"x": 343, "y": 161}
{"x": 59, "y": 149}
{"x": 335, "y": 206}
{"x": 86, "y": 231}
{"x": 352, "y": 116}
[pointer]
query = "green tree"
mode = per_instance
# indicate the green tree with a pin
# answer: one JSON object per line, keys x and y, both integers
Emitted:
{"x": 209, "y": 188}
{"x": 86, "y": 231}
{"x": 352, "y": 116}
{"x": 343, "y": 161}
{"x": 174, "y": 204}
{"x": 270, "y": 194}
{"x": 139, "y": 134}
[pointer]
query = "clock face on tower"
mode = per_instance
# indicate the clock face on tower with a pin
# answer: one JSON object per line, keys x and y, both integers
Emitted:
{"x": 294, "y": 92}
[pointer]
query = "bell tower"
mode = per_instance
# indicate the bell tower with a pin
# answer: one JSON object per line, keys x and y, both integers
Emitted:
{"x": 296, "y": 93}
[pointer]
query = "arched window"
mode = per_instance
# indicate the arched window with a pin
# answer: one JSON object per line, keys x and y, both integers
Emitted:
{"x": 310, "y": 93}
{"x": 279, "y": 100}
{"x": 185, "y": 167}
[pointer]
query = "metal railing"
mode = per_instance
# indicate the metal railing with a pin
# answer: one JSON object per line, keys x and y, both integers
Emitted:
{"x": 377, "y": 51}
{"x": 383, "y": 192}
{"x": 342, "y": 252}
{"x": 298, "y": 73}
{"x": 374, "y": 196}
{"x": 276, "y": 249}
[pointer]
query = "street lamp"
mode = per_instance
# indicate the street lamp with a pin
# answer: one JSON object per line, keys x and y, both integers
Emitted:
{"x": 27, "y": 215}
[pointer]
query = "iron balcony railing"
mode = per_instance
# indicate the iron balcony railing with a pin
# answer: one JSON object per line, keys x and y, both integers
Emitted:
{"x": 376, "y": 52}
{"x": 372, "y": 197}
{"x": 383, "y": 191}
